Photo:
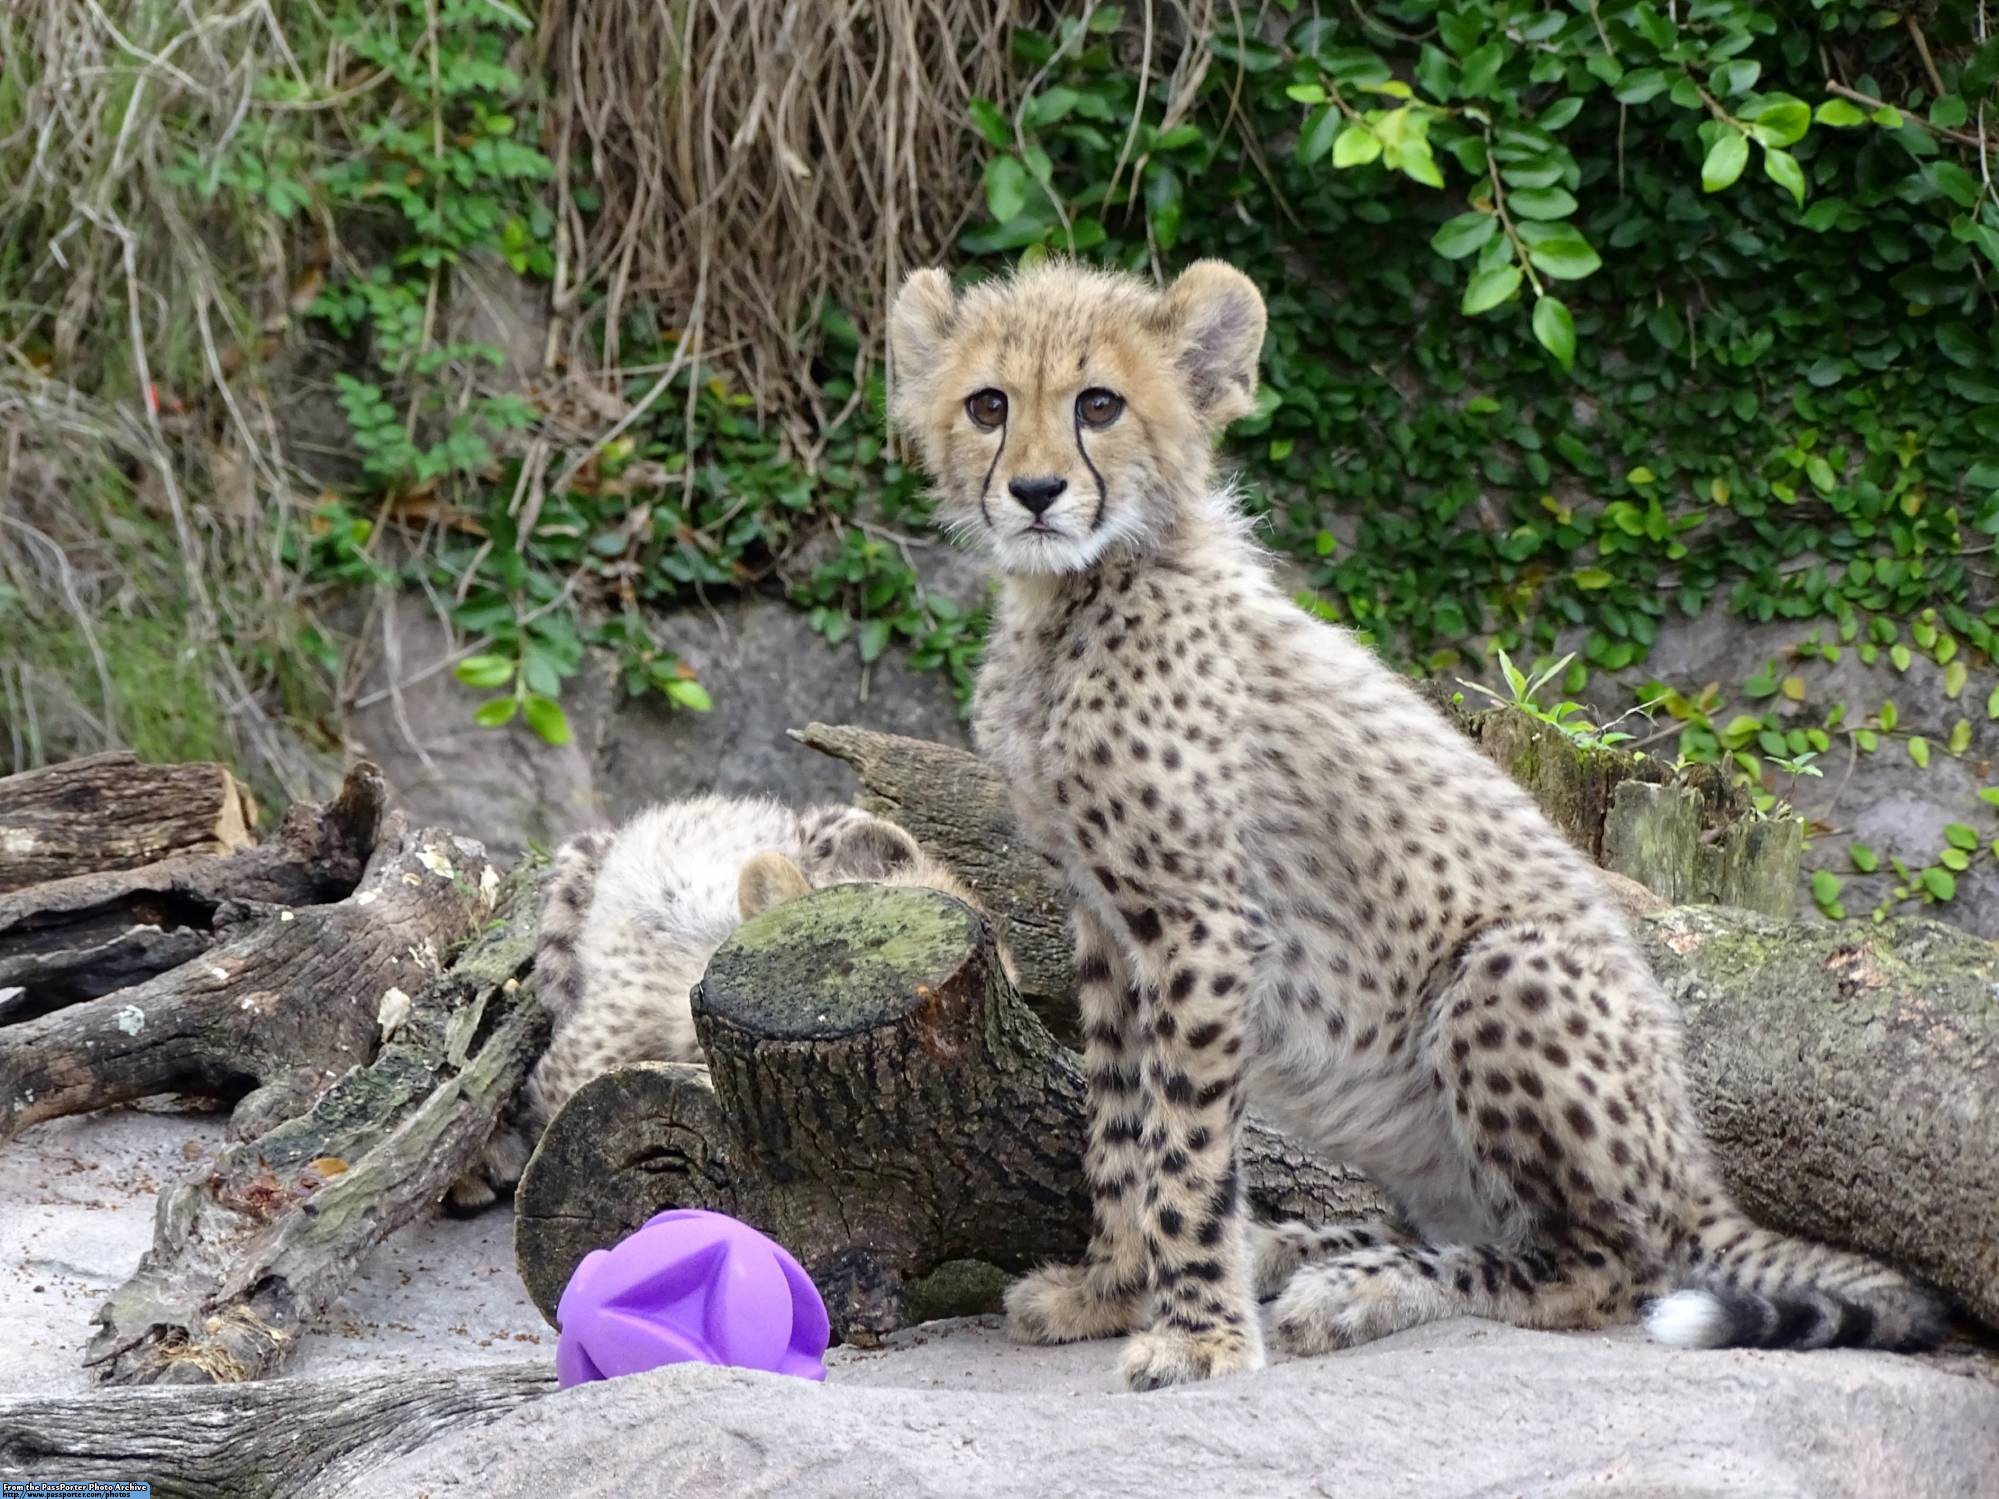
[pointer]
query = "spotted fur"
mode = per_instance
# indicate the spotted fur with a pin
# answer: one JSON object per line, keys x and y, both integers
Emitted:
{"x": 1294, "y": 881}
{"x": 629, "y": 924}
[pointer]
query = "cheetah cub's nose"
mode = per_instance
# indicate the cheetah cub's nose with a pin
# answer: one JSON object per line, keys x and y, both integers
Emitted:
{"x": 1036, "y": 494}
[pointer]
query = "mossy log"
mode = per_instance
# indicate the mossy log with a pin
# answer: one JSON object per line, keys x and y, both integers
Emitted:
{"x": 1848, "y": 1075}
{"x": 113, "y": 811}
{"x": 877, "y": 1098}
{"x": 248, "y": 1252}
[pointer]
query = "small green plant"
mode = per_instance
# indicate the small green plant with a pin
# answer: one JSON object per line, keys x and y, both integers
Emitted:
{"x": 1523, "y": 690}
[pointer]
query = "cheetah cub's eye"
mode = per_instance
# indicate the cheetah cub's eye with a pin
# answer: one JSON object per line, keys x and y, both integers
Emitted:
{"x": 1099, "y": 408}
{"x": 986, "y": 408}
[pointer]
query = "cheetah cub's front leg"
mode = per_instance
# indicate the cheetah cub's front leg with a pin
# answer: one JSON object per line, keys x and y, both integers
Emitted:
{"x": 1105, "y": 1295}
{"x": 1196, "y": 1233}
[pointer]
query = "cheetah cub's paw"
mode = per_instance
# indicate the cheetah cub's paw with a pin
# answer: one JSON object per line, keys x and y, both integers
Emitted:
{"x": 1163, "y": 1356}
{"x": 1058, "y": 1304}
{"x": 1336, "y": 1306}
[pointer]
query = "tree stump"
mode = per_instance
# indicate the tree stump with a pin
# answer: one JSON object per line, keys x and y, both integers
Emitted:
{"x": 113, "y": 811}
{"x": 877, "y": 1099}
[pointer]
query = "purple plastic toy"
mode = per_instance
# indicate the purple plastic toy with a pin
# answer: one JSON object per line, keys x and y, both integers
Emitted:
{"x": 690, "y": 1285}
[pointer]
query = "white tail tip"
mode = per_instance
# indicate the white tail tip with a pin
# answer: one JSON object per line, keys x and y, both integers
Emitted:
{"x": 1688, "y": 1319}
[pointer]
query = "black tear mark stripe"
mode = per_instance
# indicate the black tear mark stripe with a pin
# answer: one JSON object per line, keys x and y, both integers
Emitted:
{"x": 1097, "y": 519}
{"x": 986, "y": 489}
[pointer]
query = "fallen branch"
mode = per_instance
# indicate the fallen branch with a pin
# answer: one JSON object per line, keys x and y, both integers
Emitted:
{"x": 877, "y": 1098}
{"x": 85, "y": 936}
{"x": 112, "y": 811}
{"x": 296, "y": 1438}
{"x": 249, "y": 1253}
{"x": 281, "y": 1009}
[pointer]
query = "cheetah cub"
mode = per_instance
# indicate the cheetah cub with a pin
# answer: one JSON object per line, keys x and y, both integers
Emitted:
{"x": 1296, "y": 884}
{"x": 631, "y": 919}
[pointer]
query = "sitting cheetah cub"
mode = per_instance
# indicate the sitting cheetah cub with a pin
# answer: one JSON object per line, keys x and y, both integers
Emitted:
{"x": 1295, "y": 883}
{"x": 631, "y": 919}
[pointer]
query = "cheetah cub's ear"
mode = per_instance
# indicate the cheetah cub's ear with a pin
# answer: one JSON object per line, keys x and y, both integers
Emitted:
{"x": 870, "y": 848}
{"x": 768, "y": 880}
{"x": 1214, "y": 313}
{"x": 918, "y": 324}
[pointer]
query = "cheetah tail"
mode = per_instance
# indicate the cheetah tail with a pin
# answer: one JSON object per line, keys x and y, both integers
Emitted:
{"x": 1750, "y": 1287}
{"x": 558, "y": 964}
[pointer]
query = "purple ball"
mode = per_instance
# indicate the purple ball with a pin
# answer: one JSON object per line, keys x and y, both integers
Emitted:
{"x": 690, "y": 1285}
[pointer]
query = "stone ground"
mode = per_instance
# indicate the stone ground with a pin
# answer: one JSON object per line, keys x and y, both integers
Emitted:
{"x": 1465, "y": 1408}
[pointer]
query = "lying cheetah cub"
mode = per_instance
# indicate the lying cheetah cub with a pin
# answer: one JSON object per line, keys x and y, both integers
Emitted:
{"x": 1294, "y": 882}
{"x": 632, "y": 918}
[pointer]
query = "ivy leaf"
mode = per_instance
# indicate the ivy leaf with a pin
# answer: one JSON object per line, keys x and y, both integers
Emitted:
{"x": 1316, "y": 139}
{"x": 990, "y": 123}
{"x": 1960, "y": 736}
{"x": 1489, "y": 288}
{"x": 1839, "y": 114}
{"x": 1919, "y": 751}
{"x": 484, "y": 671}
{"x": 1864, "y": 858}
{"x": 683, "y": 692}
{"x": 1736, "y": 77}
{"x": 1463, "y": 235}
{"x": 1954, "y": 678}
{"x": 1778, "y": 119}
{"x": 1940, "y": 883}
{"x": 1541, "y": 203}
{"x": 1725, "y": 160}
{"x": 1825, "y": 887}
{"x": 493, "y": 713}
{"x": 873, "y": 639}
{"x": 1640, "y": 85}
{"x": 1006, "y": 188}
{"x": 1356, "y": 146}
{"x": 1559, "y": 250}
{"x": 1481, "y": 70}
{"x": 1593, "y": 578}
{"x": 546, "y": 718}
{"x": 1556, "y": 330}
{"x": 1961, "y": 835}
{"x": 1782, "y": 168}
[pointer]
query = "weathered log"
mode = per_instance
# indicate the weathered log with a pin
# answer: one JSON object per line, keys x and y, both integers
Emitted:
{"x": 81, "y": 937}
{"x": 112, "y": 811}
{"x": 250, "y": 1251}
{"x": 281, "y": 1009}
{"x": 1867, "y": 1117}
{"x": 877, "y": 1098}
{"x": 1848, "y": 1077}
{"x": 299, "y": 1439}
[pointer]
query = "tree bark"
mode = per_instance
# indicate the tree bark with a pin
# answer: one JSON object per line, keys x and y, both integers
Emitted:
{"x": 877, "y": 1098}
{"x": 296, "y": 1438}
{"x": 283, "y": 1008}
{"x": 1848, "y": 1075}
{"x": 112, "y": 811}
{"x": 247, "y": 1254}
{"x": 81, "y": 937}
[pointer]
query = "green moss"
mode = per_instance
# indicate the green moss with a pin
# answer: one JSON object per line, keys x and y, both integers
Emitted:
{"x": 840, "y": 959}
